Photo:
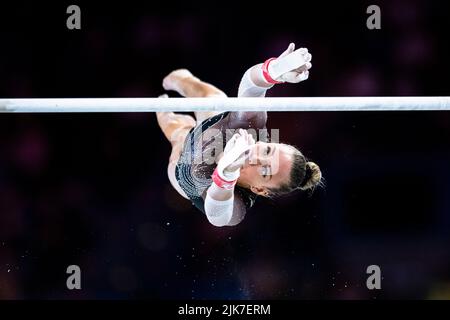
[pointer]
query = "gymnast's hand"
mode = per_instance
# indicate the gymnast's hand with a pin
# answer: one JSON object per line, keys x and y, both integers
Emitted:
{"x": 235, "y": 154}
{"x": 291, "y": 66}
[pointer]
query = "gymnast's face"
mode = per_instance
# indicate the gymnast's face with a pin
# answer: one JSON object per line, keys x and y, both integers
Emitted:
{"x": 269, "y": 167}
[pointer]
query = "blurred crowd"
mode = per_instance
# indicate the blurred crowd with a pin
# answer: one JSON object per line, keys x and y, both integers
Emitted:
{"x": 92, "y": 189}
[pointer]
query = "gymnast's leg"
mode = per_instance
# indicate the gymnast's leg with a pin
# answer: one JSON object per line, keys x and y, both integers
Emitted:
{"x": 175, "y": 127}
{"x": 187, "y": 85}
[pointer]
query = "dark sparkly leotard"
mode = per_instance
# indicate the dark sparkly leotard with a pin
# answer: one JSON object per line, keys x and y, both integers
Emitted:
{"x": 194, "y": 168}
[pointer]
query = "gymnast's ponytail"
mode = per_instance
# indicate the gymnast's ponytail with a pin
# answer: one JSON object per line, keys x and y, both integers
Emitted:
{"x": 313, "y": 176}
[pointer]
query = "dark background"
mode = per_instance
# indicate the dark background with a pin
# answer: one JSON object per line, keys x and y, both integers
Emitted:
{"x": 91, "y": 189}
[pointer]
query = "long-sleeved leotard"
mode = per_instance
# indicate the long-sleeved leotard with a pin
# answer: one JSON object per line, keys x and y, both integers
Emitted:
{"x": 204, "y": 144}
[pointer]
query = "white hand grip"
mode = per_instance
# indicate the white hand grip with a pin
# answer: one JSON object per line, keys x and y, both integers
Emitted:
{"x": 288, "y": 63}
{"x": 227, "y": 159}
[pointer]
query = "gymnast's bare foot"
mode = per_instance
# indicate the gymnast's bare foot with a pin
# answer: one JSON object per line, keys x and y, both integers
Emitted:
{"x": 176, "y": 81}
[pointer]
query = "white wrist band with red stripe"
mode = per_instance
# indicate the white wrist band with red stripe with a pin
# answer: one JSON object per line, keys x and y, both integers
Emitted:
{"x": 222, "y": 183}
{"x": 265, "y": 72}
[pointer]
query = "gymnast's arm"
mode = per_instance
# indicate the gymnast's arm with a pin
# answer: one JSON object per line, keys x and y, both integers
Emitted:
{"x": 261, "y": 77}
{"x": 222, "y": 206}
{"x": 253, "y": 85}
{"x": 291, "y": 66}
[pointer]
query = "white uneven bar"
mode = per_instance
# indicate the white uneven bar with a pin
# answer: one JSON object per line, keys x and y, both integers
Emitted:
{"x": 225, "y": 104}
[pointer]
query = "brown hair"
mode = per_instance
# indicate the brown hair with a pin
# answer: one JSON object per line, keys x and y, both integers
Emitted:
{"x": 305, "y": 175}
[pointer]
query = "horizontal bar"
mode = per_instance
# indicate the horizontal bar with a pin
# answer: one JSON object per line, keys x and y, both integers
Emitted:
{"x": 225, "y": 104}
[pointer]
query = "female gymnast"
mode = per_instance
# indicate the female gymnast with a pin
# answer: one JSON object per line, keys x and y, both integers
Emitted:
{"x": 223, "y": 173}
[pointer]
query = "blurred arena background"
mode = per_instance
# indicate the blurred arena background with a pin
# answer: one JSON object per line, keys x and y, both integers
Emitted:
{"x": 91, "y": 189}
